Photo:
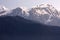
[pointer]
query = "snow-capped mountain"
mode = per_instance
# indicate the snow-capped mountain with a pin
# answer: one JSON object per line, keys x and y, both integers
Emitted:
{"x": 43, "y": 13}
{"x": 45, "y": 9}
{"x": 3, "y": 10}
{"x": 18, "y": 12}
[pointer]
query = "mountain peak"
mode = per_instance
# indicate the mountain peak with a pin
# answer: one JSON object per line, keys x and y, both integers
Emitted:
{"x": 24, "y": 8}
{"x": 45, "y": 9}
{"x": 45, "y": 5}
{"x": 3, "y": 8}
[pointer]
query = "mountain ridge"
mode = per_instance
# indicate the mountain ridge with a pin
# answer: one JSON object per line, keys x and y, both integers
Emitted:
{"x": 44, "y": 13}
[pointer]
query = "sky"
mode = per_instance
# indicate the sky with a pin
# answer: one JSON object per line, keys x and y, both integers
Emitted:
{"x": 29, "y": 3}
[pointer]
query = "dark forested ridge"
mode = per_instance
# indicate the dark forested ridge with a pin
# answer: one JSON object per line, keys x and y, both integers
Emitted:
{"x": 19, "y": 26}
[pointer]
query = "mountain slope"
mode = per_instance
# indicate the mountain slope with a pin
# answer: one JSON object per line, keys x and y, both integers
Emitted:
{"x": 16, "y": 24}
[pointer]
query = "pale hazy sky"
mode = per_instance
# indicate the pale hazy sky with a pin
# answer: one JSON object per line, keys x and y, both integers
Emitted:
{"x": 29, "y": 3}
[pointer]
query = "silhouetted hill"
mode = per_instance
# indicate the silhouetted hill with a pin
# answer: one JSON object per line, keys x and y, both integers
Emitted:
{"x": 15, "y": 25}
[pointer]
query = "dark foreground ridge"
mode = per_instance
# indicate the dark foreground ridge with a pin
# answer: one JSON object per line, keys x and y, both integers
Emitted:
{"x": 18, "y": 28}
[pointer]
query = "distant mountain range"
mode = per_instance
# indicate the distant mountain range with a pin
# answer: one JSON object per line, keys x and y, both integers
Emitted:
{"x": 43, "y": 13}
{"x": 41, "y": 20}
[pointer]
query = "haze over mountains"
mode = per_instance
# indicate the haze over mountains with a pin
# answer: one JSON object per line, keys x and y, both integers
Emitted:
{"x": 44, "y": 13}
